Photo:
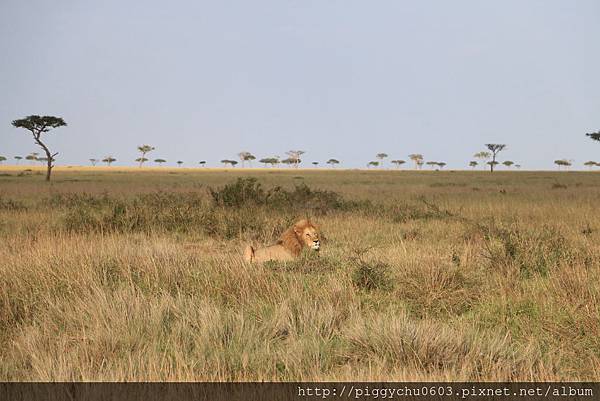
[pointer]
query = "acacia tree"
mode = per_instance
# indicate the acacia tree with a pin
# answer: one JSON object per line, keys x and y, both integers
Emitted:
{"x": 231, "y": 162}
{"x": 590, "y": 164}
{"x": 290, "y": 161}
{"x": 33, "y": 156}
{"x": 508, "y": 163}
{"x": 483, "y": 156}
{"x": 160, "y": 161}
{"x": 179, "y": 163}
{"x": 473, "y": 163}
{"x": 18, "y": 159}
{"x": 431, "y": 164}
{"x": 372, "y": 164}
{"x": 39, "y": 125}
{"x": 246, "y": 157}
{"x": 2, "y": 159}
{"x": 269, "y": 160}
{"x": 398, "y": 163}
{"x": 333, "y": 162}
{"x": 594, "y": 135}
{"x": 94, "y": 161}
{"x": 202, "y": 163}
{"x": 495, "y": 148}
{"x": 315, "y": 164}
{"x": 417, "y": 159}
{"x": 562, "y": 163}
{"x": 294, "y": 155}
{"x": 108, "y": 160}
{"x": 143, "y": 149}
{"x": 441, "y": 164}
{"x": 381, "y": 156}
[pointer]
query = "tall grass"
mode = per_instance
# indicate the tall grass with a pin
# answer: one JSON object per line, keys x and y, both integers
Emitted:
{"x": 416, "y": 280}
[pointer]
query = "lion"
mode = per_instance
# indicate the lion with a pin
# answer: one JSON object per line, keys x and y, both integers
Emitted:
{"x": 288, "y": 247}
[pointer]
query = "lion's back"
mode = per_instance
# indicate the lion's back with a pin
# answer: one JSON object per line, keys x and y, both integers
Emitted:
{"x": 273, "y": 252}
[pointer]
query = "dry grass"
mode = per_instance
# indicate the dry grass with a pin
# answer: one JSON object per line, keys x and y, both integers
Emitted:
{"x": 440, "y": 276}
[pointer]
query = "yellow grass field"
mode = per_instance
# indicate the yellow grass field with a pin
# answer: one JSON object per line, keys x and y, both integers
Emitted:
{"x": 136, "y": 274}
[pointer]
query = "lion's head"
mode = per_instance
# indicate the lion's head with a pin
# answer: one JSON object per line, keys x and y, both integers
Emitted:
{"x": 302, "y": 234}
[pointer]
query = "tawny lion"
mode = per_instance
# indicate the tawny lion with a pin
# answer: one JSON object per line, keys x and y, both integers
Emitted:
{"x": 292, "y": 241}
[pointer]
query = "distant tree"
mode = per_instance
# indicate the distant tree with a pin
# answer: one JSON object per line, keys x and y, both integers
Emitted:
{"x": 179, "y": 163}
{"x": 269, "y": 160}
{"x": 483, "y": 156}
{"x": 32, "y": 157}
{"x": 230, "y": 162}
{"x": 109, "y": 160}
{"x": 381, "y": 156}
{"x": 2, "y": 159}
{"x": 333, "y": 162}
{"x": 517, "y": 165}
{"x": 143, "y": 149}
{"x": 18, "y": 159}
{"x": 294, "y": 155}
{"x": 492, "y": 164}
{"x": 289, "y": 161}
{"x": 38, "y": 125}
{"x": 508, "y": 163}
{"x": 590, "y": 164}
{"x": 202, "y": 163}
{"x": 398, "y": 163}
{"x": 473, "y": 163}
{"x": 441, "y": 164}
{"x": 420, "y": 164}
{"x": 495, "y": 148}
{"x": 417, "y": 159}
{"x": 94, "y": 161}
{"x": 594, "y": 135}
{"x": 315, "y": 164}
{"x": 372, "y": 164}
{"x": 562, "y": 163}
{"x": 160, "y": 161}
{"x": 246, "y": 157}
{"x": 431, "y": 164}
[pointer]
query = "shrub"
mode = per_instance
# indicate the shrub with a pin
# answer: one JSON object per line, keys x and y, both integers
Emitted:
{"x": 247, "y": 192}
{"x": 243, "y": 192}
{"x": 371, "y": 276}
{"x": 530, "y": 251}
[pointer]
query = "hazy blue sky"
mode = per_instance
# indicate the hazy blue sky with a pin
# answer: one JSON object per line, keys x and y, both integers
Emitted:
{"x": 345, "y": 79}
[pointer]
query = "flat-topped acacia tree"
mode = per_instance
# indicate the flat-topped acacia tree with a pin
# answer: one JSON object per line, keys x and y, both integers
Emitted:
{"x": 39, "y": 125}
{"x": 144, "y": 149}
{"x": 495, "y": 148}
{"x": 594, "y": 135}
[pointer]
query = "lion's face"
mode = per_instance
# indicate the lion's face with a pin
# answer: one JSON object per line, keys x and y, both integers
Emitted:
{"x": 308, "y": 234}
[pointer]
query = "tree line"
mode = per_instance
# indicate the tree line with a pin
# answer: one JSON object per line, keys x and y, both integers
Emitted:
{"x": 40, "y": 125}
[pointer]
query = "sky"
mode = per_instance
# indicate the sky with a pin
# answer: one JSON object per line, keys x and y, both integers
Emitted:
{"x": 205, "y": 80}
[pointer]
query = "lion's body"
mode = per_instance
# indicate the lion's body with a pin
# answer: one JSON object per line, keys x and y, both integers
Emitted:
{"x": 301, "y": 235}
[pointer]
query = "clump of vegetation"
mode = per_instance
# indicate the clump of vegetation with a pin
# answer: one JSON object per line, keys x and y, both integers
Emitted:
{"x": 243, "y": 192}
{"x": 528, "y": 251}
{"x": 371, "y": 276}
{"x": 248, "y": 192}
{"x": 11, "y": 205}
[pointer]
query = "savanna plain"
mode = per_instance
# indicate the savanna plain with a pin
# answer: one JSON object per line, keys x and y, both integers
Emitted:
{"x": 137, "y": 274}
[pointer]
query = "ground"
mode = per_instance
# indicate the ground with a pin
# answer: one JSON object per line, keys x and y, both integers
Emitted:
{"x": 136, "y": 274}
